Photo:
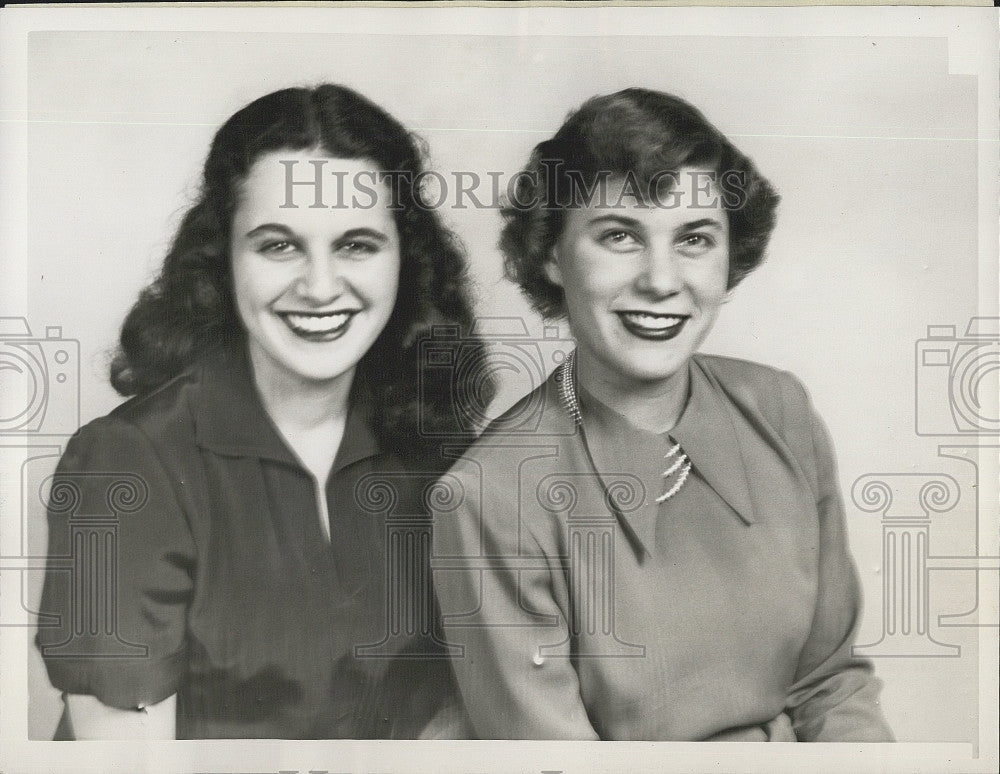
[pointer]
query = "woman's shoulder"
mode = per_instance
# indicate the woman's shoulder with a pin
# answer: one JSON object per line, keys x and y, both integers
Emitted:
{"x": 537, "y": 413}
{"x": 144, "y": 447}
{"x": 736, "y": 371}
{"x": 748, "y": 376}
{"x": 774, "y": 393}
{"x": 777, "y": 405}
{"x": 534, "y": 418}
{"x": 165, "y": 416}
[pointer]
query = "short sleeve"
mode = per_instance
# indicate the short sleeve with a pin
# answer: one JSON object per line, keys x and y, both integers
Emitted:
{"x": 120, "y": 570}
{"x": 836, "y": 696}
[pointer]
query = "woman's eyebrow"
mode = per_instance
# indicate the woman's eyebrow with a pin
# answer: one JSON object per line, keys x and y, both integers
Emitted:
{"x": 620, "y": 220}
{"x": 700, "y": 223}
{"x": 270, "y": 227}
{"x": 371, "y": 233}
{"x": 283, "y": 230}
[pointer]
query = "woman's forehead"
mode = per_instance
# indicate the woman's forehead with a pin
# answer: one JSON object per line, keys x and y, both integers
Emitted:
{"x": 310, "y": 192}
{"x": 294, "y": 179}
{"x": 687, "y": 188}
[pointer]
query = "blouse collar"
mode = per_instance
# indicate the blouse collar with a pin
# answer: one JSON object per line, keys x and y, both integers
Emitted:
{"x": 232, "y": 421}
{"x": 707, "y": 431}
{"x": 710, "y": 432}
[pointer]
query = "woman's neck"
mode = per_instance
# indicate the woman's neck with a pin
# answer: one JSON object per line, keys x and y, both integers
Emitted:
{"x": 299, "y": 404}
{"x": 655, "y": 406}
{"x": 310, "y": 416}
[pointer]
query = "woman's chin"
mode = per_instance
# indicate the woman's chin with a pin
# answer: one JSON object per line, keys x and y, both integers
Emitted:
{"x": 648, "y": 371}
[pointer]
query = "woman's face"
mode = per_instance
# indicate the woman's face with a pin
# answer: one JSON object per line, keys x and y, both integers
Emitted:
{"x": 314, "y": 286}
{"x": 643, "y": 283}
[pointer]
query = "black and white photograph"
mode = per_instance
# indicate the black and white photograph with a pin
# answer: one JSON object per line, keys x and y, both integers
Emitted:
{"x": 492, "y": 389}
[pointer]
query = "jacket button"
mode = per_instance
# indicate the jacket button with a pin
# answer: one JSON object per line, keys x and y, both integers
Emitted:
{"x": 538, "y": 659}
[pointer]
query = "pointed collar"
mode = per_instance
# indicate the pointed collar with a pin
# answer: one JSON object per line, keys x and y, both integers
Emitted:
{"x": 231, "y": 419}
{"x": 707, "y": 432}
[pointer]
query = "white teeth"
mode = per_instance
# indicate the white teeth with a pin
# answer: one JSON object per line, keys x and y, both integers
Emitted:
{"x": 315, "y": 323}
{"x": 652, "y": 321}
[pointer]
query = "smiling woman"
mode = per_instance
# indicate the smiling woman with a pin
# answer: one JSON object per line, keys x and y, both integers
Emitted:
{"x": 307, "y": 276}
{"x": 620, "y": 268}
{"x": 669, "y": 561}
{"x": 276, "y": 376}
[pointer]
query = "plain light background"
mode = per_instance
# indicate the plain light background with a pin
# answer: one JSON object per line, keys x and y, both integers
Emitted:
{"x": 873, "y": 143}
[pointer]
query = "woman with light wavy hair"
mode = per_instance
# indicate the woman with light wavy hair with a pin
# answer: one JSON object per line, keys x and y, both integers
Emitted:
{"x": 665, "y": 558}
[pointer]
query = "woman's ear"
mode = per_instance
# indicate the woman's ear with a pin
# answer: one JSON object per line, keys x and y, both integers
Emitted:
{"x": 551, "y": 268}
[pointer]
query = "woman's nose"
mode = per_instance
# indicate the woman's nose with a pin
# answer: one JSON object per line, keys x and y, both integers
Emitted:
{"x": 660, "y": 275}
{"x": 321, "y": 281}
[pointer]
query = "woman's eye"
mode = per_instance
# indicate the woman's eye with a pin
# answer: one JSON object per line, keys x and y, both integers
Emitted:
{"x": 359, "y": 247}
{"x": 618, "y": 239}
{"x": 696, "y": 243}
{"x": 278, "y": 247}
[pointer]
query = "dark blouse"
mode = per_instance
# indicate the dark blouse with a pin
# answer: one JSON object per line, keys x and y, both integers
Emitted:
{"x": 223, "y": 588}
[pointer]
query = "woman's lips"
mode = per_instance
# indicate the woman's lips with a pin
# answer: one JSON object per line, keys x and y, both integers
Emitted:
{"x": 318, "y": 327}
{"x": 655, "y": 327}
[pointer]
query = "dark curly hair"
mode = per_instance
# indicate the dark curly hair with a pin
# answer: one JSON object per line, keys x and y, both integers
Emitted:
{"x": 647, "y": 136}
{"x": 189, "y": 311}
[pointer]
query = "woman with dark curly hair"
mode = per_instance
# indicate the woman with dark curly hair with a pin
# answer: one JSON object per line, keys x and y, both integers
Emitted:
{"x": 669, "y": 560}
{"x": 275, "y": 364}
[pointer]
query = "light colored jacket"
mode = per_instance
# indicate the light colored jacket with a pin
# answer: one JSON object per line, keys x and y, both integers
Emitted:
{"x": 586, "y": 610}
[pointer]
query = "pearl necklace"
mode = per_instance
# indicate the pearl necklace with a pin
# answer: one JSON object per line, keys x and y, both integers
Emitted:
{"x": 679, "y": 467}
